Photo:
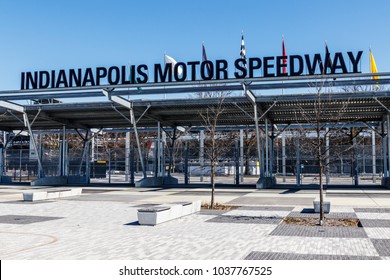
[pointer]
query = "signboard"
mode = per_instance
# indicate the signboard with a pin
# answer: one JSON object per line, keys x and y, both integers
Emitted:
{"x": 269, "y": 66}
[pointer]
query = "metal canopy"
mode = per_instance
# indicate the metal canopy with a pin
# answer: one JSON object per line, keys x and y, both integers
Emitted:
{"x": 358, "y": 106}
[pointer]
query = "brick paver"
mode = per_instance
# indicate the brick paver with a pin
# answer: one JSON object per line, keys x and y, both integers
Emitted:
{"x": 286, "y": 256}
{"x": 103, "y": 224}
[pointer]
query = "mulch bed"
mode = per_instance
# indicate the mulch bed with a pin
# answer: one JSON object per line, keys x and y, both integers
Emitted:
{"x": 218, "y": 206}
{"x": 330, "y": 222}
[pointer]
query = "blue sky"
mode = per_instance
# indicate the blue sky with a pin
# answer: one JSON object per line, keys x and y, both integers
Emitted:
{"x": 49, "y": 35}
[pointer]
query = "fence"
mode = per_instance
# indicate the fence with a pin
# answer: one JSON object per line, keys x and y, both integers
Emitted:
{"x": 113, "y": 163}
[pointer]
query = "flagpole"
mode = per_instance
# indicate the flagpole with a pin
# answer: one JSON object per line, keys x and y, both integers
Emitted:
{"x": 165, "y": 53}
{"x": 282, "y": 80}
{"x": 202, "y": 93}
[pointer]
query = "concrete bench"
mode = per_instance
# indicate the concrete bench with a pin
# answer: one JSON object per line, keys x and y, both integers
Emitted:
{"x": 51, "y": 194}
{"x": 163, "y": 213}
{"x": 326, "y": 205}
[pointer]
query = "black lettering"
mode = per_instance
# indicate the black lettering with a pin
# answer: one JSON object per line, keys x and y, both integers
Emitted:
{"x": 113, "y": 78}
{"x": 75, "y": 78}
{"x": 44, "y": 79}
{"x": 221, "y": 69}
{"x": 240, "y": 65}
{"x": 339, "y": 63}
{"x": 355, "y": 61}
{"x": 88, "y": 77}
{"x": 132, "y": 74}
{"x": 101, "y": 72}
{"x": 33, "y": 80}
{"x": 22, "y": 80}
{"x": 205, "y": 67}
{"x": 292, "y": 64}
{"x": 254, "y": 63}
{"x": 123, "y": 76}
{"x": 61, "y": 79}
{"x": 53, "y": 78}
{"x": 281, "y": 63}
{"x": 328, "y": 63}
{"x": 142, "y": 72}
{"x": 176, "y": 71}
{"x": 193, "y": 69}
{"x": 161, "y": 76}
{"x": 311, "y": 66}
{"x": 267, "y": 66}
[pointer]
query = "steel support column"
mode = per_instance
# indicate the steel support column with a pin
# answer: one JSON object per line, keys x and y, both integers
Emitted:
{"x": 32, "y": 139}
{"x": 158, "y": 149}
{"x": 355, "y": 159}
{"x": 271, "y": 163}
{"x": 298, "y": 162}
{"x": 171, "y": 163}
{"x": 327, "y": 156}
{"x": 388, "y": 142}
{"x": 163, "y": 145}
{"x": 373, "y": 158}
{"x": 87, "y": 164}
{"x": 201, "y": 154}
{"x": 186, "y": 155}
{"x": 241, "y": 155}
{"x": 284, "y": 156}
{"x": 384, "y": 146}
{"x": 127, "y": 157}
{"x": 266, "y": 149}
{"x": 132, "y": 164}
{"x": 236, "y": 163}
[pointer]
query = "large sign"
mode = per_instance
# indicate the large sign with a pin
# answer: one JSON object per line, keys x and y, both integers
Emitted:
{"x": 269, "y": 66}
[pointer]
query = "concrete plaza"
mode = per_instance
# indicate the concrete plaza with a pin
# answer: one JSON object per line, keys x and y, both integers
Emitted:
{"x": 102, "y": 224}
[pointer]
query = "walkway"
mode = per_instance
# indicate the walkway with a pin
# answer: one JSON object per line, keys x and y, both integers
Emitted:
{"x": 102, "y": 224}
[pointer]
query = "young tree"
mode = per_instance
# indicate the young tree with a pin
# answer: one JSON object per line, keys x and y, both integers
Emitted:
{"x": 322, "y": 114}
{"x": 216, "y": 142}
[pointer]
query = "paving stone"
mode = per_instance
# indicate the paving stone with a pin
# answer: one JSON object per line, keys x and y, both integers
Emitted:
{"x": 289, "y": 256}
{"x": 28, "y": 202}
{"x": 267, "y": 208}
{"x": 212, "y": 212}
{"x": 104, "y": 226}
{"x": 382, "y": 246}
{"x": 378, "y": 233}
{"x": 318, "y": 231}
{"x": 375, "y": 223}
{"x": 196, "y": 193}
{"x": 374, "y": 216}
{"x": 22, "y": 219}
{"x": 373, "y": 210}
{"x": 109, "y": 197}
{"x": 146, "y": 205}
{"x": 245, "y": 220}
{"x": 258, "y": 213}
{"x": 94, "y": 191}
{"x": 357, "y": 195}
{"x": 272, "y": 200}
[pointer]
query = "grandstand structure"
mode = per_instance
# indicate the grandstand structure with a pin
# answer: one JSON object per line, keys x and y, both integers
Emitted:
{"x": 279, "y": 113}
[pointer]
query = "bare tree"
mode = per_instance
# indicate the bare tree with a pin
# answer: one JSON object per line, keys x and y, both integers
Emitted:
{"x": 216, "y": 142}
{"x": 323, "y": 114}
